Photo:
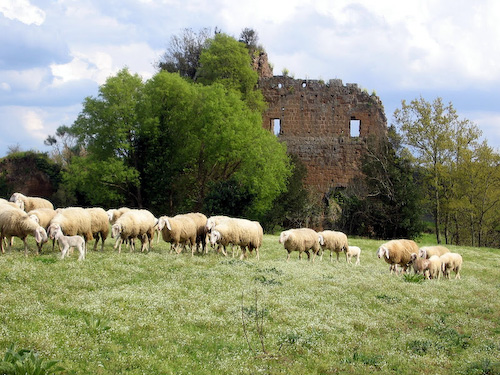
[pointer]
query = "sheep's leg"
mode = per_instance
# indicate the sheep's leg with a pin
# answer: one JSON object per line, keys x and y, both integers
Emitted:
{"x": 64, "y": 251}
{"x": 96, "y": 241}
{"x": 338, "y": 256}
{"x": 25, "y": 246}
{"x": 257, "y": 252}
{"x": 82, "y": 252}
{"x": 288, "y": 256}
{"x": 357, "y": 259}
{"x": 308, "y": 255}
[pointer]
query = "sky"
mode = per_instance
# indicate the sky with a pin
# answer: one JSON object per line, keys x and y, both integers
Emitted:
{"x": 55, "y": 53}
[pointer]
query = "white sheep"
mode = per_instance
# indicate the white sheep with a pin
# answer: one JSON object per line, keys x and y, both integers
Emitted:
{"x": 301, "y": 240}
{"x": 397, "y": 252}
{"x": 16, "y": 222}
{"x": 212, "y": 221}
{"x": 30, "y": 203}
{"x": 136, "y": 223}
{"x": 434, "y": 267}
{"x": 73, "y": 221}
{"x": 67, "y": 242}
{"x": 428, "y": 251}
{"x": 244, "y": 233}
{"x": 178, "y": 230}
{"x": 353, "y": 251}
{"x": 333, "y": 241}
{"x": 99, "y": 225}
{"x": 43, "y": 216}
{"x": 113, "y": 215}
{"x": 420, "y": 265}
{"x": 451, "y": 262}
{"x": 201, "y": 231}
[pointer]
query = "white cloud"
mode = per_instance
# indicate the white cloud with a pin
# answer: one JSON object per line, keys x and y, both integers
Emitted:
{"x": 23, "y": 11}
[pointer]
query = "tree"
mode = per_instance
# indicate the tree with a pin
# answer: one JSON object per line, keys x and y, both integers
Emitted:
{"x": 107, "y": 131}
{"x": 227, "y": 61}
{"x": 183, "y": 53}
{"x": 428, "y": 129}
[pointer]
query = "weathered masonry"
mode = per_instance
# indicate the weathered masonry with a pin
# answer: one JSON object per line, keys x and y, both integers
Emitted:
{"x": 325, "y": 124}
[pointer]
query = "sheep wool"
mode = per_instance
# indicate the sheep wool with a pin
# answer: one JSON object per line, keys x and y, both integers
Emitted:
{"x": 99, "y": 224}
{"x": 178, "y": 230}
{"x": 244, "y": 233}
{"x": 135, "y": 224}
{"x": 434, "y": 267}
{"x": 30, "y": 203}
{"x": 353, "y": 251}
{"x": 17, "y": 223}
{"x": 301, "y": 240}
{"x": 333, "y": 241}
{"x": 397, "y": 252}
{"x": 428, "y": 251}
{"x": 451, "y": 262}
{"x": 73, "y": 221}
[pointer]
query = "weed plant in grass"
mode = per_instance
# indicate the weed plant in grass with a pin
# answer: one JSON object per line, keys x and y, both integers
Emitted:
{"x": 162, "y": 313}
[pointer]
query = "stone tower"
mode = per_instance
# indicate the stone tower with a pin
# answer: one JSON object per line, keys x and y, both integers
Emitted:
{"x": 326, "y": 125}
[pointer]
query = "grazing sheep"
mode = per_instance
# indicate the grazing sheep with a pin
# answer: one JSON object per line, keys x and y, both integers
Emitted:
{"x": 420, "y": 265}
{"x": 99, "y": 225}
{"x": 135, "y": 224}
{"x": 43, "y": 216}
{"x": 451, "y": 262}
{"x": 434, "y": 267}
{"x": 115, "y": 213}
{"x": 244, "y": 233}
{"x": 201, "y": 231}
{"x": 353, "y": 251}
{"x": 178, "y": 230}
{"x": 333, "y": 241}
{"x": 301, "y": 240}
{"x": 30, "y": 203}
{"x": 428, "y": 251}
{"x": 16, "y": 222}
{"x": 397, "y": 252}
{"x": 67, "y": 242}
{"x": 73, "y": 221}
{"x": 212, "y": 221}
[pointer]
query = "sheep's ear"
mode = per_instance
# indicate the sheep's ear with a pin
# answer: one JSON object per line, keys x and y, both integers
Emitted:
{"x": 161, "y": 223}
{"x": 321, "y": 240}
{"x": 386, "y": 250}
{"x": 38, "y": 235}
{"x": 169, "y": 227}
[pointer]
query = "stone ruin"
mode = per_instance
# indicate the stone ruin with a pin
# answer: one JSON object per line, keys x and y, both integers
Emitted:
{"x": 326, "y": 125}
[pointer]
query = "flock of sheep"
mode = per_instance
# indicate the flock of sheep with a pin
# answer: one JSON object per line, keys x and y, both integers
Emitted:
{"x": 74, "y": 227}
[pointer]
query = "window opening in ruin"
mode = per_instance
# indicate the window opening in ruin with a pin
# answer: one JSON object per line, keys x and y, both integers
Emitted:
{"x": 304, "y": 84}
{"x": 276, "y": 125}
{"x": 354, "y": 126}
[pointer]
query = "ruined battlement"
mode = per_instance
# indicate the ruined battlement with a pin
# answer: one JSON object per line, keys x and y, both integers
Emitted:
{"x": 326, "y": 124}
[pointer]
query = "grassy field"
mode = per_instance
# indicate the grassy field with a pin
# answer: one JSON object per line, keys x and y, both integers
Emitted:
{"x": 160, "y": 313}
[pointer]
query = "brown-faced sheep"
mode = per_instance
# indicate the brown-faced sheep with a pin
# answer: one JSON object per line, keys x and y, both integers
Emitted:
{"x": 397, "y": 252}
{"x": 16, "y": 222}
{"x": 420, "y": 265}
{"x": 301, "y": 240}
{"x": 333, "y": 241}
{"x": 451, "y": 262}
{"x": 428, "y": 251}
{"x": 30, "y": 203}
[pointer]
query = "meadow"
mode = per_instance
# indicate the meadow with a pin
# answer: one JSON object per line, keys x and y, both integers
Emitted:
{"x": 163, "y": 313}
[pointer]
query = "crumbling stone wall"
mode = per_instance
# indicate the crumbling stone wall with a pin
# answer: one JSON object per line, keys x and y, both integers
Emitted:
{"x": 315, "y": 120}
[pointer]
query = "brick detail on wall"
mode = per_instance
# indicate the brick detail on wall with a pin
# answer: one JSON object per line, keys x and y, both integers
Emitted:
{"x": 314, "y": 119}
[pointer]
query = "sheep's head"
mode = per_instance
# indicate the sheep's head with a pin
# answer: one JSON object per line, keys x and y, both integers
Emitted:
{"x": 413, "y": 258}
{"x": 53, "y": 229}
{"x": 35, "y": 219}
{"x": 40, "y": 235}
{"x": 214, "y": 236}
{"x": 383, "y": 251}
{"x": 321, "y": 239}
{"x": 111, "y": 214}
{"x": 284, "y": 236}
{"x": 422, "y": 253}
{"x": 116, "y": 229}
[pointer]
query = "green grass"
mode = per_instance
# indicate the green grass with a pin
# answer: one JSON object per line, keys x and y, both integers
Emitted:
{"x": 161, "y": 313}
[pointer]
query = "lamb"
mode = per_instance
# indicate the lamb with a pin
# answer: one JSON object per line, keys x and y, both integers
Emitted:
{"x": 135, "y": 224}
{"x": 333, "y": 241}
{"x": 67, "y": 242}
{"x": 301, "y": 240}
{"x": 73, "y": 221}
{"x": 16, "y": 222}
{"x": 434, "y": 267}
{"x": 397, "y": 252}
{"x": 420, "y": 265}
{"x": 451, "y": 262}
{"x": 99, "y": 225}
{"x": 428, "y": 251}
{"x": 30, "y": 203}
{"x": 43, "y": 216}
{"x": 240, "y": 232}
{"x": 353, "y": 251}
{"x": 178, "y": 230}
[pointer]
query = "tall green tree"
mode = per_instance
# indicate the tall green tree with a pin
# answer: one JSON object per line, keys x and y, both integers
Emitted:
{"x": 228, "y": 62}
{"x": 428, "y": 129}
